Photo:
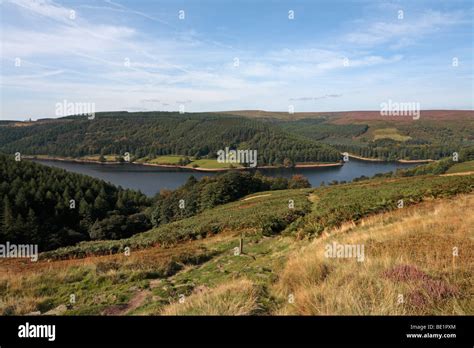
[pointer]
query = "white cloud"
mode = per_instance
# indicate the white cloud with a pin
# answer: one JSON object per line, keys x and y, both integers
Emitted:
{"x": 45, "y": 8}
{"x": 297, "y": 63}
{"x": 82, "y": 59}
{"x": 404, "y": 31}
{"x": 63, "y": 41}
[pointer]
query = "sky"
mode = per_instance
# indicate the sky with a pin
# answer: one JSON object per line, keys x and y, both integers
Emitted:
{"x": 309, "y": 55}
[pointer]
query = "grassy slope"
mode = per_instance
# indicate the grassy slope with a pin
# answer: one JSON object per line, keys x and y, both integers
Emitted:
{"x": 461, "y": 167}
{"x": 248, "y": 214}
{"x": 166, "y": 160}
{"x": 209, "y": 163}
{"x": 213, "y": 280}
{"x": 409, "y": 266}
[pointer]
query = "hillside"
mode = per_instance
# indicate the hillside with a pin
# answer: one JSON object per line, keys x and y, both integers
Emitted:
{"x": 192, "y": 266}
{"x": 52, "y": 207}
{"x": 403, "y": 272}
{"x": 280, "y": 138}
{"x": 350, "y": 116}
{"x": 55, "y": 208}
{"x": 436, "y": 134}
{"x": 146, "y": 136}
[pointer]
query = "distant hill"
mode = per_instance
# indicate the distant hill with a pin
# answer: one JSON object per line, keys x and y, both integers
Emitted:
{"x": 434, "y": 135}
{"x": 279, "y": 137}
{"x": 161, "y": 133}
{"x": 348, "y": 116}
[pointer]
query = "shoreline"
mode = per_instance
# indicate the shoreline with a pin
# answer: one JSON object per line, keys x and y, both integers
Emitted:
{"x": 175, "y": 166}
{"x": 368, "y": 159}
{"x": 204, "y": 169}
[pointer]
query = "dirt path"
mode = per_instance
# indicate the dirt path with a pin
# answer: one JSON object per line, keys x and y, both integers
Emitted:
{"x": 313, "y": 198}
{"x": 458, "y": 174}
{"x": 137, "y": 300}
{"x": 369, "y": 159}
{"x": 253, "y": 197}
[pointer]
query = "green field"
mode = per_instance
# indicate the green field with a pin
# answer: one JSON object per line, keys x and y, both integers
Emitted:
{"x": 212, "y": 163}
{"x": 461, "y": 167}
{"x": 108, "y": 158}
{"x": 390, "y": 133}
{"x": 207, "y": 163}
{"x": 166, "y": 160}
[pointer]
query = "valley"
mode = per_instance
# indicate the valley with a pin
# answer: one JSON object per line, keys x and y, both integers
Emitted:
{"x": 238, "y": 241}
{"x": 281, "y": 270}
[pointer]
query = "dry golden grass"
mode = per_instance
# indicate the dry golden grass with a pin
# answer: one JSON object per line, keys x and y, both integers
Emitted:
{"x": 414, "y": 244}
{"x": 408, "y": 253}
{"x": 15, "y": 268}
{"x": 237, "y": 297}
{"x": 21, "y": 280}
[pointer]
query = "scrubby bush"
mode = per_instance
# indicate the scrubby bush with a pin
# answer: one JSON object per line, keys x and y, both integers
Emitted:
{"x": 119, "y": 226}
{"x": 196, "y": 196}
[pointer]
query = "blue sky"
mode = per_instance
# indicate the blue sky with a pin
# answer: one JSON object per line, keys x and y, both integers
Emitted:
{"x": 140, "y": 56}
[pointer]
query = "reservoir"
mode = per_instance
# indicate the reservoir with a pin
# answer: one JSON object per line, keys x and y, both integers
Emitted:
{"x": 150, "y": 180}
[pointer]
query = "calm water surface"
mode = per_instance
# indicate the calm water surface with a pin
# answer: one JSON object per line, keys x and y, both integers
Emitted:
{"x": 151, "y": 180}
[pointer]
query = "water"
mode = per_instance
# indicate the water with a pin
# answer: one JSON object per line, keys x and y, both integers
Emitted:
{"x": 151, "y": 180}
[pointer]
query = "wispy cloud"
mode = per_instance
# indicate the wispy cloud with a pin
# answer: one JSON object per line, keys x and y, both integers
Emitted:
{"x": 121, "y": 55}
{"x": 406, "y": 30}
{"x": 46, "y": 8}
{"x": 316, "y": 98}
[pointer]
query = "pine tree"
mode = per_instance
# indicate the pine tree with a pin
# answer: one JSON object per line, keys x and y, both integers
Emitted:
{"x": 7, "y": 217}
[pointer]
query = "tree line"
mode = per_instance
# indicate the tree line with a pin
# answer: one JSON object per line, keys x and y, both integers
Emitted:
{"x": 195, "y": 196}
{"x": 162, "y": 133}
{"x": 428, "y": 139}
{"x": 52, "y": 207}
